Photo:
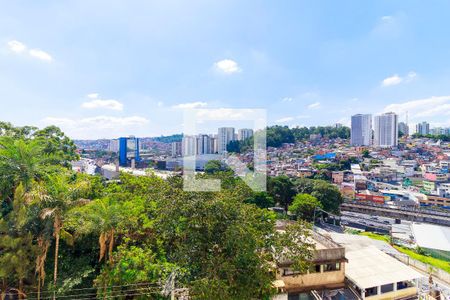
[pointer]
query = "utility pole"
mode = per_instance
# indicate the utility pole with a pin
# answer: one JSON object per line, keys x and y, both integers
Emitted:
{"x": 172, "y": 293}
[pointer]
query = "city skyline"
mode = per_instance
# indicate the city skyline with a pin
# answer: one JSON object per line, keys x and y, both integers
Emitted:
{"x": 304, "y": 62}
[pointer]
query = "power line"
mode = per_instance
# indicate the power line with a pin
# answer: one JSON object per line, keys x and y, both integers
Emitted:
{"x": 118, "y": 293}
{"x": 110, "y": 286}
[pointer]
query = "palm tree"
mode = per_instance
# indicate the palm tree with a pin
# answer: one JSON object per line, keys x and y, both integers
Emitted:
{"x": 58, "y": 197}
{"x": 101, "y": 217}
{"x": 20, "y": 162}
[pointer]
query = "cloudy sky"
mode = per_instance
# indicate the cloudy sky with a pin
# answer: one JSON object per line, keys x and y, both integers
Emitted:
{"x": 109, "y": 68}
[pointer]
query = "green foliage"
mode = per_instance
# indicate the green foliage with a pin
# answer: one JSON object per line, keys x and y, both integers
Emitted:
{"x": 304, "y": 206}
{"x": 442, "y": 137}
{"x": 365, "y": 153}
{"x": 277, "y": 135}
{"x": 169, "y": 139}
{"x": 261, "y": 199}
{"x": 83, "y": 231}
{"x": 281, "y": 188}
{"x": 214, "y": 166}
{"x": 327, "y": 194}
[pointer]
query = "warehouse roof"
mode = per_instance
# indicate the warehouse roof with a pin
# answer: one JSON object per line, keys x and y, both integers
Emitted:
{"x": 431, "y": 236}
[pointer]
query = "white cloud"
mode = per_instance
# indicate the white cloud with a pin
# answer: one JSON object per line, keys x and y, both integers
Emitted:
{"x": 387, "y": 19}
{"x": 95, "y": 103}
{"x": 19, "y": 47}
{"x": 303, "y": 117}
{"x": 92, "y": 96}
{"x": 99, "y": 126}
{"x": 393, "y": 80}
{"x": 190, "y": 105}
{"x": 16, "y": 46}
{"x": 389, "y": 27}
{"x": 39, "y": 54}
{"x": 428, "y": 107}
{"x": 287, "y": 99}
{"x": 107, "y": 104}
{"x": 314, "y": 105}
{"x": 227, "y": 66}
{"x": 396, "y": 79}
{"x": 160, "y": 104}
{"x": 284, "y": 120}
{"x": 101, "y": 122}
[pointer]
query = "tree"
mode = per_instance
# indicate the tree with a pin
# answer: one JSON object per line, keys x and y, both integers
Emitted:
{"x": 304, "y": 206}
{"x": 327, "y": 194}
{"x": 214, "y": 166}
{"x": 281, "y": 189}
{"x": 365, "y": 153}
{"x": 261, "y": 199}
{"x": 17, "y": 251}
{"x": 56, "y": 197}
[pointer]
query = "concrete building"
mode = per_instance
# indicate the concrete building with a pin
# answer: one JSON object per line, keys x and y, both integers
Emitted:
{"x": 129, "y": 151}
{"x": 113, "y": 145}
{"x": 423, "y": 128}
{"x": 224, "y": 136}
{"x": 403, "y": 128}
{"x": 372, "y": 274}
{"x": 189, "y": 145}
{"x": 361, "y": 130}
{"x": 327, "y": 272}
{"x": 386, "y": 130}
{"x": 204, "y": 144}
{"x": 214, "y": 144}
{"x": 176, "y": 149}
{"x": 245, "y": 133}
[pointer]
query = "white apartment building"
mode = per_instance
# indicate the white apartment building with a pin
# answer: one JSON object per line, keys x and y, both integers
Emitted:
{"x": 245, "y": 133}
{"x": 224, "y": 136}
{"x": 386, "y": 130}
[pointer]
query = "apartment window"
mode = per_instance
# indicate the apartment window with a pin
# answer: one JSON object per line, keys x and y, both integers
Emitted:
{"x": 404, "y": 285}
{"x": 387, "y": 288}
{"x": 332, "y": 267}
{"x": 371, "y": 291}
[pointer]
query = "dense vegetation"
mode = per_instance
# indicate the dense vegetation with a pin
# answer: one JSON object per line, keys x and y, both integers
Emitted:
{"x": 442, "y": 137}
{"x": 70, "y": 236}
{"x": 169, "y": 139}
{"x": 278, "y": 135}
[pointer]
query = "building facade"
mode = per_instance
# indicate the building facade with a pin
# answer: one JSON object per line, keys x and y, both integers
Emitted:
{"x": 386, "y": 130}
{"x": 224, "y": 136}
{"x": 403, "y": 128}
{"x": 128, "y": 150}
{"x": 423, "y": 128}
{"x": 361, "y": 130}
{"x": 245, "y": 133}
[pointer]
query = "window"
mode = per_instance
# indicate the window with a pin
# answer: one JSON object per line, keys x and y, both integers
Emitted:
{"x": 332, "y": 267}
{"x": 404, "y": 285}
{"x": 314, "y": 269}
{"x": 371, "y": 291}
{"x": 387, "y": 288}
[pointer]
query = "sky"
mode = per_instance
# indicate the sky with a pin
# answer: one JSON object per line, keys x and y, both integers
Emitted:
{"x": 104, "y": 69}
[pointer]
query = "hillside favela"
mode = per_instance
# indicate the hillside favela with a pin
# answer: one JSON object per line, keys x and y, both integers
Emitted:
{"x": 275, "y": 150}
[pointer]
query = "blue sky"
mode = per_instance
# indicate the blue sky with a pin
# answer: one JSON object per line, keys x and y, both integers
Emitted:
{"x": 108, "y": 68}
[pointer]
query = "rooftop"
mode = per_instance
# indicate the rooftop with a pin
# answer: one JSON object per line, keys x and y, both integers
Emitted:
{"x": 369, "y": 267}
{"x": 431, "y": 236}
